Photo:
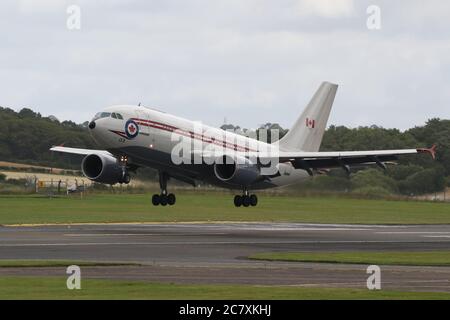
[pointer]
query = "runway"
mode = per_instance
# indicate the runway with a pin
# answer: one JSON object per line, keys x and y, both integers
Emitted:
{"x": 217, "y": 252}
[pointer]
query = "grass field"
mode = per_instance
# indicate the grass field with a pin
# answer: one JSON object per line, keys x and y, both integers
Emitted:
{"x": 213, "y": 206}
{"x": 55, "y": 288}
{"x": 428, "y": 258}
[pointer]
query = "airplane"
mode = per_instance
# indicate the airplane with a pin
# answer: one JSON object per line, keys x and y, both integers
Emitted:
{"x": 137, "y": 136}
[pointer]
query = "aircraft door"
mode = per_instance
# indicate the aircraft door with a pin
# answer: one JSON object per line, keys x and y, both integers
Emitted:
{"x": 142, "y": 121}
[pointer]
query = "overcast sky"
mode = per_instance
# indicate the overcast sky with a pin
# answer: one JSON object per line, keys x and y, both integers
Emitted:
{"x": 251, "y": 61}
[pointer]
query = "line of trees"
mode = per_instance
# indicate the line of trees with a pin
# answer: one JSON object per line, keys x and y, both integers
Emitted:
{"x": 414, "y": 174}
{"x": 26, "y": 136}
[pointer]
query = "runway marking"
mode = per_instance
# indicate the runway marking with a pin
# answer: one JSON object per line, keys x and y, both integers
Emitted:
{"x": 324, "y": 284}
{"x": 437, "y": 236}
{"x": 298, "y": 229}
{"x": 412, "y": 232}
{"x": 138, "y": 234}
{"x": 442, "y": 281}
{"x": 206, "y": 243}
{"x": 106, "y": 234}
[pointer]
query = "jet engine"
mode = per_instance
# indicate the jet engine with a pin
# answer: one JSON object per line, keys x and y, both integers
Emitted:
{"x": 239, "y": 170}
{"x": 104, "y": 169}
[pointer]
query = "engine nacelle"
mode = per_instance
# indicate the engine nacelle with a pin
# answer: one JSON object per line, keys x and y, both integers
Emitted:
{"x": 102, "y": 168}
{"x": 240, "y": 171}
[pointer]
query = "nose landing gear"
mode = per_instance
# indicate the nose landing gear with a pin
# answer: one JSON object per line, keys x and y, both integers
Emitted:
{"x": 125, "y": 178}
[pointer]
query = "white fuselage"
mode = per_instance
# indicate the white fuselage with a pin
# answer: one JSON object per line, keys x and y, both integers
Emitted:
{"x": 149, "y": 137}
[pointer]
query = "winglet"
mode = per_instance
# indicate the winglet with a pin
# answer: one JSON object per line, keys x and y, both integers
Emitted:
{"x": 431, "y": 151}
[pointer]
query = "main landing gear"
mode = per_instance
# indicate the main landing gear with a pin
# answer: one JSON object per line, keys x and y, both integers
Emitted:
{"x": 245, "y": 200}
{"x": 163, "y": 198}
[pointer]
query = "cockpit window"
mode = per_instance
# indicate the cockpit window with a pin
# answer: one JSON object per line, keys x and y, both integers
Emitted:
{"x": 114, "y": 115}
{"x": 100, "y": 115}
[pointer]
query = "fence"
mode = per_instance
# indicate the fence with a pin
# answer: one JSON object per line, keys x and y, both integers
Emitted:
{"x": 61, "y": 186}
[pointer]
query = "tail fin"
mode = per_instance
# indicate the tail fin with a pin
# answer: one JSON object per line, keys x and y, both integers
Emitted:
{"x": 308, "y": 130}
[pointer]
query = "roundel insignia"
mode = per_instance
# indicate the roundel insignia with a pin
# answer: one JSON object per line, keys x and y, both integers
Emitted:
{"x": 131, "y": 129}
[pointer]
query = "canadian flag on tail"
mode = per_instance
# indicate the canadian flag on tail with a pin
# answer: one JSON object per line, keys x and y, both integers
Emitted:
{"x": 310, "y": 123}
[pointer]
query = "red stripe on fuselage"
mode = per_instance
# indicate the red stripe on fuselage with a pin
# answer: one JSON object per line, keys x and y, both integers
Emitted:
{"x": 122, "y": 134}
{"x": 190, "y": 134}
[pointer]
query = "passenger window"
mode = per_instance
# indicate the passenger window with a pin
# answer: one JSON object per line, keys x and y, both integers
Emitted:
{"x": 113, "y": 115}
{"x": 119, "y": 116}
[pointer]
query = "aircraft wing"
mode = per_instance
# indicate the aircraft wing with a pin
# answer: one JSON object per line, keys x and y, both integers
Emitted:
{"x": 79, "y": 151}
{"x": 325, "y": 160}
{"x": 185, "y": 179}
{"x": 311, "y": 161}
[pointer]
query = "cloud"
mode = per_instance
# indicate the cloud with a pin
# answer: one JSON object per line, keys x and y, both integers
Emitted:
{"x": 252, "y": 61}
{"x": 326, "y": 8}
{"x": 41, "y": 6}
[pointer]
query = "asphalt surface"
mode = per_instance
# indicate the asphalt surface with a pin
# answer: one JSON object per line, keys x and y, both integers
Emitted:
{"x": 217, "y": 252}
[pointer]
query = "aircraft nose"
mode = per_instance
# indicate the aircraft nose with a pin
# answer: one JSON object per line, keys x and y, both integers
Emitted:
{"x": 92, "y": 125}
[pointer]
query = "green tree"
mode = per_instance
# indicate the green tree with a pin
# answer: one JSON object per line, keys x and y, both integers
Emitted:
{"x": 425, "y": 181}
{"x": 373, "y": 178}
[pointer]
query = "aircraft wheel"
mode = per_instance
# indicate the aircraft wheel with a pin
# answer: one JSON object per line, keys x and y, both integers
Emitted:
{"x": 171, "y": 199}
{"x": 245, "y": 201}
{"x": 253, "y": 200}
{"x": 237, "y": 200}
{"x": 156, "y": 199}
{"x": 163, "y": 199}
